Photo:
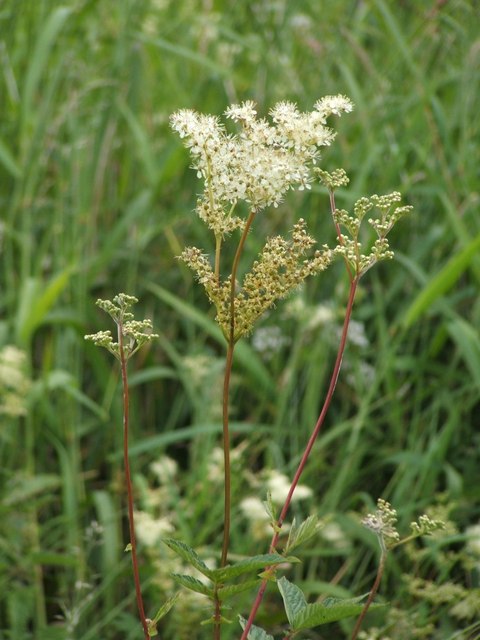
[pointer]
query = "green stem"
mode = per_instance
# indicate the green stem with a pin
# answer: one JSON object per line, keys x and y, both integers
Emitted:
{"x": 128, "y": 480}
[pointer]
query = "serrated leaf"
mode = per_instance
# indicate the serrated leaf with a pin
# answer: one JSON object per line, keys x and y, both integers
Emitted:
{"x": 301, "y": 533}
{"x": 330, "y": 610}
{"x": 189, "y": 582}
{"x": 293, "y": 599}
{"x": 254, "y": 563}
{"x": 227, "y": 592}
{"x": 191, "y": 556}
{"x": 255, "y": 632}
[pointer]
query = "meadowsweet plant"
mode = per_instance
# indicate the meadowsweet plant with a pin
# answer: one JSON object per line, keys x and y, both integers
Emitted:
{"x": 247, "y": 164}
{"x": 131, "y": 335}
{"x": 245, "y": 169}
{"x": 256, "y": 166}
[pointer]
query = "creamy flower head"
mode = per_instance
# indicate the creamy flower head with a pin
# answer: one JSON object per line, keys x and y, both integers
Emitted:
{"x": 260, "y": 162}
{"x": 165, "y": 469}
{"x": 150, "y": 530}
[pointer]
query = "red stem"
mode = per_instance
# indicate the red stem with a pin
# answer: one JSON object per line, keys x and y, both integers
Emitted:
{"x": 128, "y": 481}
{"x": 306, "y": 453}
{"x": 371, "y": 595}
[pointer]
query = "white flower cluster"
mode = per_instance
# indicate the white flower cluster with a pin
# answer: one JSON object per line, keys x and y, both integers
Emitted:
{"x": 259, "y": 164}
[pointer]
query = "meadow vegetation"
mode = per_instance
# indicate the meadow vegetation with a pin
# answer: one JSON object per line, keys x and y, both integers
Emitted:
{"x": 97, "y": 197}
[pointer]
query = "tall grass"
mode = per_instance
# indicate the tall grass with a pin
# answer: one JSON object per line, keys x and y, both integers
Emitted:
{"x": 96, "y": 197}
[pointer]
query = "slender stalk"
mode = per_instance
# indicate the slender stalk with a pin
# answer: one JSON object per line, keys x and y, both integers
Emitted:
{"x": 128, "y": 480}
{"x": 226, "y": 454}
{"x": 226, "y": 391}
{"x": 227, "y": 481}
{"x": 373, "y": 592}
{"x": 341, "y": 241}
{"x": 218, "y": 248}
{"x": 308, "y": 449}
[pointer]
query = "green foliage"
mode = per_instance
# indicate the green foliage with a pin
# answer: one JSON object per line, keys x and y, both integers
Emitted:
{"x": 301, "y": 533}
{"x": 306, "y": 616}
{"x": 255, "y": 632}
{"x": 163, "y": 610}
{"x": 220, "y": 576}
{"x": 95, "y": 185}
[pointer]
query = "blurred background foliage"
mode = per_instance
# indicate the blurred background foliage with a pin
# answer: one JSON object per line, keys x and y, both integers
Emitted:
{"x": 96, "y": 197}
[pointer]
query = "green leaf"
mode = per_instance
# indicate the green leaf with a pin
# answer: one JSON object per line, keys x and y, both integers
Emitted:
{"x": 143, "y": 142}
{"x": 467, "y": 339}
{"x": 445, "y": 279}
{"x": 188, "y": 554}
{"x": 254, "y": 563}
{"x": 293, "y": 599}
{"x": 51, "y": 558}
{"x": 36, "y": 300}
{"x": 39, "y": 58}
{"x": 227, "y": 592}
{"x": 271, "y": 510}
{"x": 8, "y": 161}
{"x": 164, "y": 609}
{"x": 189, "y": 582}
{"x": 330, "y": 610}
{"x": 29, "y": 487}
{"x": 255, "y": 632}
{"x": 298, "y": 535}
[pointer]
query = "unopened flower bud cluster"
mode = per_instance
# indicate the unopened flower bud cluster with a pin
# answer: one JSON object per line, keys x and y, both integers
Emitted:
{"x": 426, "y": 526}
{"x": 135, "y": 333}
{"x": 281, "y": 267}
{"x": 350, "y": 246}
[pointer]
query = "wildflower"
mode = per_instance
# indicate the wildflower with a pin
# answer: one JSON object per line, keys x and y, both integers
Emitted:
{"x": 260, "y": 163}
{"x": 165, "y": 469}
{"x": 135, "y": 333}
{"x": 278, "y": 486}
{"x": 150, "y": 530}
{"x": 382, "y": 523}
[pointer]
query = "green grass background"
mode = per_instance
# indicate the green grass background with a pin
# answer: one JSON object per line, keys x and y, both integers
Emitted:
{"x": 96, "y": 197}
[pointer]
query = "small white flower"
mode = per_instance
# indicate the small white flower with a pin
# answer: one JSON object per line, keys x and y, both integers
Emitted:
{"x": 165, "y": 469}
{"x": 254, "y": 509}
{"x": 260, "y": 163}
{"x": 279, "y": 485}
{"x": 150, "y": 530}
